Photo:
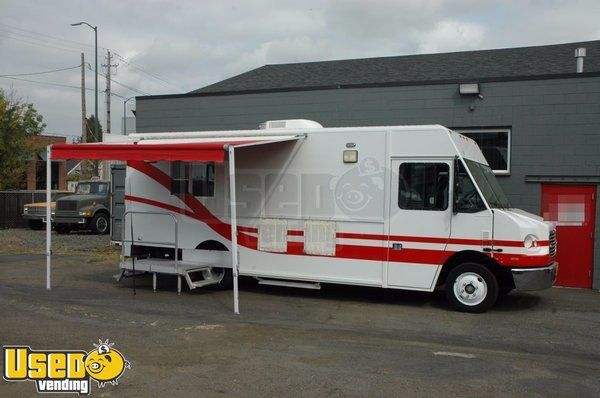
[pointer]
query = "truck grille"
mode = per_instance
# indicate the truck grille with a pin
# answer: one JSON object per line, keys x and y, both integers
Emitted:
{"x": 36, "y": 211}
{"x": 552, "y": 239}
{"x": 66, "y": 205}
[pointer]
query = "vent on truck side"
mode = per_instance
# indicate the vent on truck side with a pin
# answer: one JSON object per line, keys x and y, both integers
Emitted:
{"x": 290, "y": 124}
{"x": 552, "y": 249}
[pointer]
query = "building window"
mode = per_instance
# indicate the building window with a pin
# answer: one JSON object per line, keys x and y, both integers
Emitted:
{"x": 195, "y": 178}
{"x": 495, "y": 145}
{"x": 40, "y": 174}
{"x": 423, "y": 186}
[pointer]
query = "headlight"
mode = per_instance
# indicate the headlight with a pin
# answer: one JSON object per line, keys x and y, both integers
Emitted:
{"x": 531, "y": 241}
{"x": 87, "y": 213}
{"x": 25, "y": 210}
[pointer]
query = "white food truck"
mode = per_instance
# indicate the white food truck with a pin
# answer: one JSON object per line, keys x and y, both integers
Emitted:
{"x": 295, "y": 204}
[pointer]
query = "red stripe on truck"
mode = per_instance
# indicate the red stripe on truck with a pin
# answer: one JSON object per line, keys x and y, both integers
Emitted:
{"x": 376, "y": 253}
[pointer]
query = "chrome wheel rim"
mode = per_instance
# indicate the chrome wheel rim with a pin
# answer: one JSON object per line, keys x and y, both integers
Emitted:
{"x": 470, "y": 289}
{"x": 216, "y": 274}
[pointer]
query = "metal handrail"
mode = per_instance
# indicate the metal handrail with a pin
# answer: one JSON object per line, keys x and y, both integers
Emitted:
{"x": 161, "y": 213}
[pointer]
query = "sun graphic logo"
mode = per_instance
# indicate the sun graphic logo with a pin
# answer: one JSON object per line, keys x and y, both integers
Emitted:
{"x": 105, "y": 364}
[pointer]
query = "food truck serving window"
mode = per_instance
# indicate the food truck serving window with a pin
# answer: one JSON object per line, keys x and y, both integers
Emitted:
{"x": 195, "y": 178}
{"x": 423, "y": 186}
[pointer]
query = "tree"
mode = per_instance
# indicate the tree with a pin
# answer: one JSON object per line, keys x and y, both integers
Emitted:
{"x": 91, "y": 135}
{"x": 18, "y": 122}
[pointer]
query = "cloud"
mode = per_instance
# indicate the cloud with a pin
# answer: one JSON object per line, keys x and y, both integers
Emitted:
{"x": 451, "y": 36}
{"x": 174, "y": 47}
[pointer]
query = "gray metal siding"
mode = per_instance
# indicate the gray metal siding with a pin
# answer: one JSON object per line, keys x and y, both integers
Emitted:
{"x": 555, "y": 123}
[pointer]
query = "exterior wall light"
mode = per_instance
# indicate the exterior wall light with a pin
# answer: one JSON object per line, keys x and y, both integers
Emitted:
{"x": 468, "y": 88}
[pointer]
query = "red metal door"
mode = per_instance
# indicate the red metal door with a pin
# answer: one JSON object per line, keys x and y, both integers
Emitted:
{"x": 573, "y": 209}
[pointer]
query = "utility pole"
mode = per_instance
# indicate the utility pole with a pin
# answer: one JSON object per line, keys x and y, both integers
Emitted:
{"x": 109, "y": 67}
{"x": 83, "y": 115}
{"x": 96, "y": 127}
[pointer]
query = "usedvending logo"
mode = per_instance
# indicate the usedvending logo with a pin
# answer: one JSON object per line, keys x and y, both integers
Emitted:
{"x": 65, "y": 371}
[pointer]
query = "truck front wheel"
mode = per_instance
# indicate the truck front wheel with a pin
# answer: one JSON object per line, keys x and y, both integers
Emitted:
{"x": 471, "y": 287}
{"x": 62, "y": 229}
{"x": 99, "y": 224}
{"x": 36, "y": 225}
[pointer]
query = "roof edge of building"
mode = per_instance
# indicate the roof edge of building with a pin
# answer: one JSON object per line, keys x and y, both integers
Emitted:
{"x": 371, "y": 85}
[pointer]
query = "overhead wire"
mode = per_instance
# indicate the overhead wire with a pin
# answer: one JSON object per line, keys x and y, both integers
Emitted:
{"x": 69, "y": 47}
{"x": 40, "y": 73}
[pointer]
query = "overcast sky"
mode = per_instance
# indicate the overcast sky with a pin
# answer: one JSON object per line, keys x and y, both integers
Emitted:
{"x": 178, "y": 46}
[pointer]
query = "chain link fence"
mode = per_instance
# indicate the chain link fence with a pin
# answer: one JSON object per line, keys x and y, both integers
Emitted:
{"x": 12, "y": 202}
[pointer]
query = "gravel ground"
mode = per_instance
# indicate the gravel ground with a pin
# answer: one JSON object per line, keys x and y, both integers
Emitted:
{"x": 16, "y": 241}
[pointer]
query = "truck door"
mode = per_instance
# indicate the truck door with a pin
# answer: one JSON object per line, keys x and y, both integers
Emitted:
{"x": 419, "y": 221}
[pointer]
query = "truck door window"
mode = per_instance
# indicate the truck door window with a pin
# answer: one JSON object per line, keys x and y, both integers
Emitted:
{"x": 195, "y": 178}
{"x": 466, "y": 197}
{"x": 423, "y": 186}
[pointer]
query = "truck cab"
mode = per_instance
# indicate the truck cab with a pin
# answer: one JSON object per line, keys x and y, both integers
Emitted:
{"x": 87, "y": 208}
{"x": 451, "y": 210}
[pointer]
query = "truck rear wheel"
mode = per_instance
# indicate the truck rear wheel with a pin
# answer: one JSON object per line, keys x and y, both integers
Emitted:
{"x": 36, "y": 225}
{"x": 99, "y": 224}
{"x": 471, "y": 287}
{"x": 226, "y": 281}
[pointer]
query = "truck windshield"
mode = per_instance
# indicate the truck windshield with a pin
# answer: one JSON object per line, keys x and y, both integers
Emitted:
{"x": 488, "y": 184}
{"x": 84, "y": 188}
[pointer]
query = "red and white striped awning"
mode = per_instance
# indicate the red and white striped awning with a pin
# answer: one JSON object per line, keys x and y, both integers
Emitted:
{"x": 202, "y": 150}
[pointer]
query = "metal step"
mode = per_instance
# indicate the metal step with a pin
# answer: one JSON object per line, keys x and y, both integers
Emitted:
{"x": 279, "y": 282}
{"x": 207, "y": 274}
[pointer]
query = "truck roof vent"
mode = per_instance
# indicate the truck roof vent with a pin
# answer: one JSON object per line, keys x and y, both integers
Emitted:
{"x": 290, "y": 124}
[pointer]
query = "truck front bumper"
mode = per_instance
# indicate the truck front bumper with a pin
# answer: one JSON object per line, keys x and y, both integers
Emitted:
{"x": 34, "y": 216}
{"x": 535, "y": 278}
{"x": 69, "y": 220}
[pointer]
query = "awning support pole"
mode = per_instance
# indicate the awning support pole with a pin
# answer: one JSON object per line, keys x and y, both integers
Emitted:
{"x": 48, "y": 217}
{"x": 233, "y": 217}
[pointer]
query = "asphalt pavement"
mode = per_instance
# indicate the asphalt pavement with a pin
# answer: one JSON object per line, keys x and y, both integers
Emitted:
{"x": 341, "y": 341}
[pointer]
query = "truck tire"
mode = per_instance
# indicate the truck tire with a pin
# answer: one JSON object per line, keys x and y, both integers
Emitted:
{"x": 471, "y": 287}
{"x": 62, "y": 229}
{"x": 36, "y": 225}
{"x": 99, "y": 224}
{"x": 226, "y": 283}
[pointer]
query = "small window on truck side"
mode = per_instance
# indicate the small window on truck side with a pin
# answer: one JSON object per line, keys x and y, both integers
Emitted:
{"x": 203, "y": 179}
{"x": 179, "y": 178}
{"x": 195, "y": 178}
{"x": 423, "y": 186}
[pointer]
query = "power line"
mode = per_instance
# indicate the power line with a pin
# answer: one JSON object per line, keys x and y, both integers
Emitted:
{"x": 44, "y": 44}
{"x": 49, "y": 41}
{"x": 46, "y": 83}
{"x": 140, "y": 69}
{"x": 135, "y": 90}
{"x": 40, "y": 73}
{"x": 53, "y": 84}
{"x": 44, "y": 35}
